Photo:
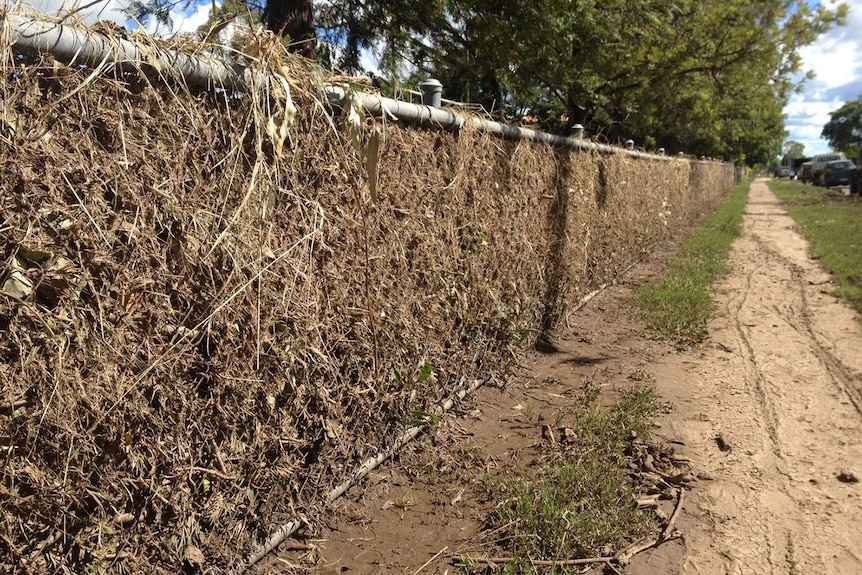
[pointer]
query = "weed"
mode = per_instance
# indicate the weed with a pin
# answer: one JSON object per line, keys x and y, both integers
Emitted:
{"x": 679, "y": 305}
{"x": 585, "y": 505}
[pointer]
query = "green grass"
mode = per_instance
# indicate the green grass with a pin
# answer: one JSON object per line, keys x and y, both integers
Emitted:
{"x": 586, "y": 502}
{"x": 832, "y": 224}
{"x": 679, "y": 305}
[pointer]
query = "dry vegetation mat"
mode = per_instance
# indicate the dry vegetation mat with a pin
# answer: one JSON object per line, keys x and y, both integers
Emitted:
{"x": 206, "y": 320}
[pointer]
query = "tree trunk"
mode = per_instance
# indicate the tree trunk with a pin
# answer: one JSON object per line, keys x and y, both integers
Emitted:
{"x": 294, "y": 18}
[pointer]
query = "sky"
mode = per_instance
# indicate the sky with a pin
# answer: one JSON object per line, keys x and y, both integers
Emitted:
{"x": 836, "y": 59}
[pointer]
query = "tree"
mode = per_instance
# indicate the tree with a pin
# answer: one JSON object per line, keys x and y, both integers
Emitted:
{"x": 793, "y": 149}
{"x": 707, "y": 77}
{"x": 293, "y": 19}
{"x": 844, "y": 128}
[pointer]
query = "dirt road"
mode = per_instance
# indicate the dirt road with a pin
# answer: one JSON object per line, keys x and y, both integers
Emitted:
{"x": 778, "y": 381}
{"x": 781, "y": 387}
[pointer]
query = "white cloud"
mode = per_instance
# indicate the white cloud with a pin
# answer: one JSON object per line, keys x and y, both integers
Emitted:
{"x": 836, "y": 59}
{"x": 183, "y": 21}
{"x": 370, "y": 61}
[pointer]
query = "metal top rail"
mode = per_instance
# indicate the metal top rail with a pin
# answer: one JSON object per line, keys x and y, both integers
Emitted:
{"x": 82, "y": 46}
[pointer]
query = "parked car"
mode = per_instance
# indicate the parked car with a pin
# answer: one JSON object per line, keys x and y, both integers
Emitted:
{"x": 838, "y": 173}
{"x": 805, "y": 175}
{"x": 784, "y": 172}
{"x": 818, "y": 165}
{"x": 856, "y": 180}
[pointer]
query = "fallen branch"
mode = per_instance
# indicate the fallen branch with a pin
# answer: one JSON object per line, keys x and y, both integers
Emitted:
{"x": 586, "y": 299}
{"x": 427, "y": 563}
{"x": 10, "y": 406}
{"x": 624, "y": 557}
{"x": 668, "y": 529}
{"x": 213, "y": 472}
{"x": 650, "y": 502}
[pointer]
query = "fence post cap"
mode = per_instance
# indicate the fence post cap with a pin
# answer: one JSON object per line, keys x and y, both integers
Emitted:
{"x": 432, "y": 92}
{"x": 577, "y": 131}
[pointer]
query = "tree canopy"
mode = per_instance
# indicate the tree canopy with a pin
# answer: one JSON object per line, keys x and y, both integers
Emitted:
{"x": 708, "y": 77}
{"x": 793, "y": 149}
{"x": 844, "y": 129}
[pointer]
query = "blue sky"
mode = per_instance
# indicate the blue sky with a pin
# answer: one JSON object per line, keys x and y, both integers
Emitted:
{"x": 836, "y": 59}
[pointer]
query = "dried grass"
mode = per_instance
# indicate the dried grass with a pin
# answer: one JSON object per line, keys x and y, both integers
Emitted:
{"x": 211, "y": 332}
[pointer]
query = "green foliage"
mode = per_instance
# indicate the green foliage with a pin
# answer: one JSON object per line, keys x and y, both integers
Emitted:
{"x": 679, "y": 305}
{"x": 708, "y": 78}
{"x": 293, "y": 20}
{"x": 833, "y": 227}
{"x": 576, "y": 508}
{"x": 793, "y": 149}
{"x": 844, "y": 129}
{"x": 704, "y": 77}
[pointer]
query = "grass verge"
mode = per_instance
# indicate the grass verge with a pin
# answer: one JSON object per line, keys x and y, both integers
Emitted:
{"x": 679, "y": 305}
{"x": 832, "y": 224}
{"x": 584, "y": 504}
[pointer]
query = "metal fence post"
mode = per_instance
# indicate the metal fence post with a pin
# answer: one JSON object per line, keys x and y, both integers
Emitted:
{"x": 432, "y": 92}
{"x": 578, "y": 132}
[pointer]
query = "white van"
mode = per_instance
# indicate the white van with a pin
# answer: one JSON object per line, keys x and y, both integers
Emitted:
{"x": 818, "y": 164}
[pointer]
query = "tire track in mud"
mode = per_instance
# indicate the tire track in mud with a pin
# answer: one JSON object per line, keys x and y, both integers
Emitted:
{"x": 786, "y": 399}
{"x": 755, "y": 377}
{"x": 842, "y": 375}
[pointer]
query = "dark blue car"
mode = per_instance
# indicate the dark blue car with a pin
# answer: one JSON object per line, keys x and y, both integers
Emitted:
{"x": 838, "y": 173}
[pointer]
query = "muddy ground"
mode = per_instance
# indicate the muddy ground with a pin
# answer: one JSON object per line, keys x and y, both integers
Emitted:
{"x": 768, "y": 408}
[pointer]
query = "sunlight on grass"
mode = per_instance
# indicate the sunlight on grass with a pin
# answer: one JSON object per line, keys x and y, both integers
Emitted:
{"x": 679, "y": 305}
{"x": 587, "y": 502}
{"x": 832, "y": 224}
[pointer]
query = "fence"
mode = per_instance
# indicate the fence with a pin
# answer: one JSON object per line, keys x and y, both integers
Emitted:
{"x": 214, "y": 310}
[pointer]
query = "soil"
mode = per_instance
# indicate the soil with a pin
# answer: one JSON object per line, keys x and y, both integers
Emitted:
{"x": 768, "y": 408}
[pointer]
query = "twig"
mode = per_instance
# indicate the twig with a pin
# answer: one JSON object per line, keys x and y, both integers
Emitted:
{"x": 13, "y": 405}
{"x": 650, "y": 501}
{"x": 586, "y": 299}
{"x": 79, "y": 9}
{"x": 287, "y": 529}
{"x": 668, "y": 529}
{"x": 625, "y": 556}
{"x": 215, "y": 472}
{"x": 86, "y": 211}
{"x": 427, "y": 563}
